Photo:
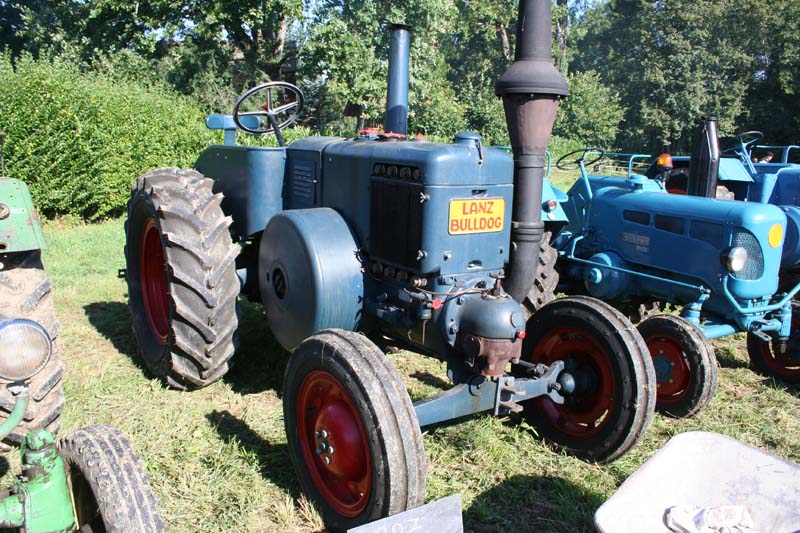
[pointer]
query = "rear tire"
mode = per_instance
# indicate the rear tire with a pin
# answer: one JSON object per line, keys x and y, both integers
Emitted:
{"x": 609, "y": 412}
{"x": 110, "y": 488}
{"x": 685, "y": 365}
{"x": 352, "y": 431}
{"x": 773, "y": 360}
{"x": 25, "y": 292}
{"x": 546, "y": 282}
{"x": 182, "y": 282}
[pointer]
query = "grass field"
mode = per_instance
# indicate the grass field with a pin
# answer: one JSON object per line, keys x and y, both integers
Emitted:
{"x": 218, "y": 459}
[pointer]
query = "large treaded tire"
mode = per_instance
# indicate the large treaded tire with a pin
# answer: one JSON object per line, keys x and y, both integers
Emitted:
{"x": 25, "y": 292}
{"x": 110, "y": 487}
{"x": 546, "y": 282}
{"x": 339, "y": 381}
{"x": 193, "y": 336}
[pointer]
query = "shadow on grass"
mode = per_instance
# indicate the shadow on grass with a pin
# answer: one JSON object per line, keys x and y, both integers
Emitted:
{"x": 273, "y": 459}
{"x": 113, "y": 321}
{"x": 726, "y": 358}
{"x": 776, "y": 384}
{"x": 257, "y": 366}
{"x": 432, "y": 380}
{"x": 529, "y": 503}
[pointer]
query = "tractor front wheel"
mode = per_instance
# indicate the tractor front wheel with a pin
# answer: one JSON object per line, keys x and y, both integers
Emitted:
{"x": 25, "y": 292}
{"x": 778, "y": 359}
{"x": 352, "y": 431}
{"x": 110, "y": 488}
{"x": 182, "y": 283}
{"x": 685, "y": 364}
{"x": 613, "y": 398}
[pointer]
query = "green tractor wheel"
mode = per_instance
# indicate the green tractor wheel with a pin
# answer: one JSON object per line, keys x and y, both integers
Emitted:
{"x": 181, "y": 273}
{"x": 25, "y": 292}
{"x": 110, "y": 488}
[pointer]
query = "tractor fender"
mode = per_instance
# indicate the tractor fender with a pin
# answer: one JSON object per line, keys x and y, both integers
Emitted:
{"x": 310, "y": 276}
{"x": 791, "y": 243}
{"x": 20, "y": 226}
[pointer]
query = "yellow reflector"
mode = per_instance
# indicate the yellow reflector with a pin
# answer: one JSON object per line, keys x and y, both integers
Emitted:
{"x": 775, "y": 235}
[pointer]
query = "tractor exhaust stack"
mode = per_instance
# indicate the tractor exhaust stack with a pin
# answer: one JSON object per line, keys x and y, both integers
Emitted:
{"x": 531, "y": 89}
{"x": 397, "y": 88}
{"x": 704, "y": 166}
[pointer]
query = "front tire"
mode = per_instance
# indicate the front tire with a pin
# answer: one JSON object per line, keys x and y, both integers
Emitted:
{"x": 685, "y": 364}
{"x": 774, "y": 359}
{"x": 25, "y": 292}
{"x": 352, "y": 431}
{"x": 110, "y": 488}
{"x": 614, "y": 398}
{"x": 181, "y": 275}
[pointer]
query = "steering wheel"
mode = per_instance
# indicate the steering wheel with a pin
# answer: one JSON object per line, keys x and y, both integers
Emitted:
{"x": 581, "y": 160}
{"x": 747, "y": 141}
{"x": 282, "y": 103}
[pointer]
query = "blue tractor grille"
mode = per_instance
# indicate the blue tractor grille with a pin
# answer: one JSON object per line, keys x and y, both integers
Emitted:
{"x": 754, "y": 268}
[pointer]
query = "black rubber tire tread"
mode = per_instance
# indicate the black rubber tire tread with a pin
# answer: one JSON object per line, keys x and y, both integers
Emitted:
{"x": 546, "y": 282}
{"x": 704, "y": 374}
{"x": 386, "y": 412}
{"x": 105, "y": 458}
{"x": 758, "y": 358}
{"x": 26, "y": 292}
{"x": 640, "y": 311}
{"x": 201, "y": 274}
{"x": 621, "y": 337}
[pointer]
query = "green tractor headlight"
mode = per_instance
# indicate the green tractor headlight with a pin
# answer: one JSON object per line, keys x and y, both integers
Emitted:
{"x": 735, "y": 258}
{"x": 24, "y": 349}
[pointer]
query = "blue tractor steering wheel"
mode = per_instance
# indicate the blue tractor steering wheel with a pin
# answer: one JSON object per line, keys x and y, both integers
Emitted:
{"x": 561, "y": 165}
{"x": 282, "y": 105}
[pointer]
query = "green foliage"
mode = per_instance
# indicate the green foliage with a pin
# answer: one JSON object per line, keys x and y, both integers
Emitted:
{"x": 79, "y": 139}
{"x": 592, "y": 112}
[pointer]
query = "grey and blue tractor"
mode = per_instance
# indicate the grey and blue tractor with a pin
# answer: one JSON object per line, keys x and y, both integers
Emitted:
{"x": 735, "y": 175}
{"x": 90, "y": 479}
{"x": 353, "y": 243}
{"x": 630, "y": 242}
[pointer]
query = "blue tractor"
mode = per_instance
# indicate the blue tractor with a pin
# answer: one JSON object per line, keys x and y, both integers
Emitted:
{"x": 348, "y": 242}
{"x": 737, "y": 176}
{"x": 631, "y": 243}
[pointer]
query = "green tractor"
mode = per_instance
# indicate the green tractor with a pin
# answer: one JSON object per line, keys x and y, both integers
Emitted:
{"x": 90, "y": 480}
{"x": 25, "y": 292}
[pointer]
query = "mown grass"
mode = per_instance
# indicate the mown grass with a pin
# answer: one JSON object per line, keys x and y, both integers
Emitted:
{"x": 218, "y": 458}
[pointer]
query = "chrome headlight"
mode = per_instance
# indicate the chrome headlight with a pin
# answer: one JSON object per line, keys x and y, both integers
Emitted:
{"x": 24, "y": 349}
{"x": 735, "y": 258}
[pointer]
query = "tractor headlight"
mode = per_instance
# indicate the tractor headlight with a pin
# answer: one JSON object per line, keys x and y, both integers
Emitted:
{"x": 735, "y": 258}
{"x": 24, "y": 349}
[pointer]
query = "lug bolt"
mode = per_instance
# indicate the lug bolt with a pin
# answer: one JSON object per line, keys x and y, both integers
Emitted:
{"x": 327, "y": 460}
{"x": 321, "y": 434}
{"x": 330, "y": 449}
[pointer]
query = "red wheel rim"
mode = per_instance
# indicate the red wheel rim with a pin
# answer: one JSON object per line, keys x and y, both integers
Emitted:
{"x": 672, "y": 368}
{"x": 585, "y": 413}
{"x": 778, "y": 362}
{"x": 328, "y": 420}
{"x": 153, "y": 273}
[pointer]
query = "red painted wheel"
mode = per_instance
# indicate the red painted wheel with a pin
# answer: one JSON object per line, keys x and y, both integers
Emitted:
{"x": 333, "y": 443}
{"x": 778, "y": 359}
{"x": 613, "y": 399}
{"x": 685, "y": 365}
{"x": 153, "y": 272}
{"x": 352, "y": 432}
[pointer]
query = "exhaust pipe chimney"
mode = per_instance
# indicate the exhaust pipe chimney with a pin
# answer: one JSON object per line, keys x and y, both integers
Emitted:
{"x": 397, "y": 88}
{"x": 704, "y": 167}
{"x": 531, "y": 89}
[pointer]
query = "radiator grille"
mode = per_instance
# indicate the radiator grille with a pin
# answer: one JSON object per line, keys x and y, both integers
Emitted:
{"x": 754, "y": 268}
{"x": 396, "y": 222}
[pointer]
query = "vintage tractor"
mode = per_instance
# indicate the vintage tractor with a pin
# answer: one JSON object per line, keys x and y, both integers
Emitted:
{"x": 777, "y": 183}
{"x": 25, "y": 293}
{"x": 349, "y": 243}
{"x": 631, "y": 243}
{"x": 89, "y": 480}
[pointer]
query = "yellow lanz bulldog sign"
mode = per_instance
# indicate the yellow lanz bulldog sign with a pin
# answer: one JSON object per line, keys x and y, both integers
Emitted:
{"x": 476, "y": 216}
